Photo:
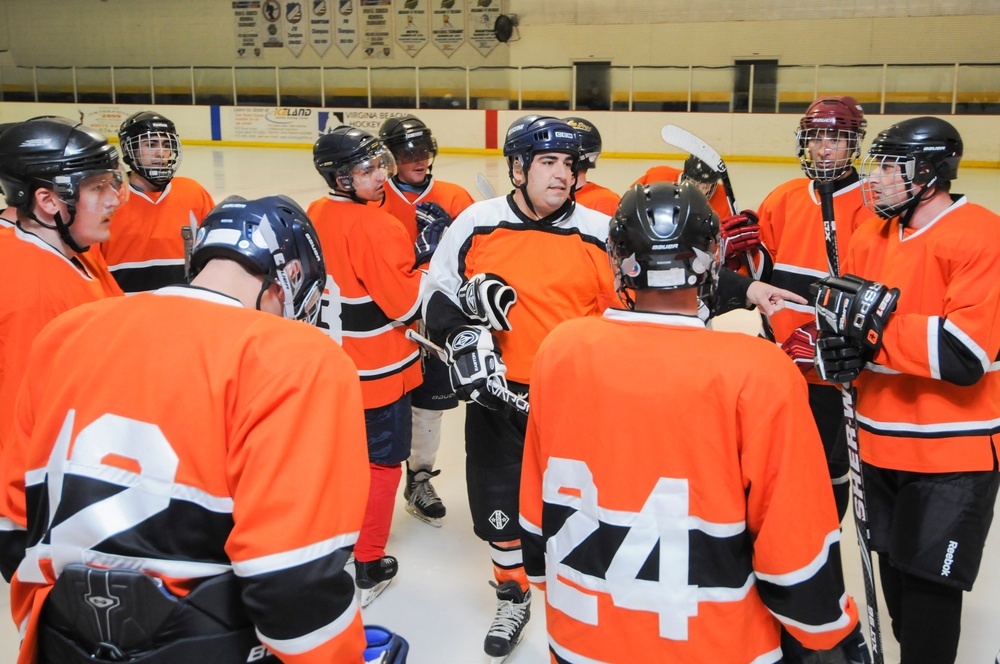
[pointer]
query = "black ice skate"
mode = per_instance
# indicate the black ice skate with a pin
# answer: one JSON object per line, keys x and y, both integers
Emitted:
{"x": 421, "y": 499}
{"x": 372, "y": 577}
{"x": 513, "y": 611}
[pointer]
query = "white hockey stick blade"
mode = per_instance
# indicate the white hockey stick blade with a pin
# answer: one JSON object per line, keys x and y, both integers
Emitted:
{"x": 685, "y": 140}
{"x": 484, "y": 187}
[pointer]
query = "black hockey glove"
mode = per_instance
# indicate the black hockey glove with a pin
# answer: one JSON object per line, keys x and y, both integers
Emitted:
{"x": 473, "y": 361}
{"x": 432, "y": 219}
{"x": 486, "y": 298}
{"x": 840, "y": 359}
{"x": 854, "y": 307}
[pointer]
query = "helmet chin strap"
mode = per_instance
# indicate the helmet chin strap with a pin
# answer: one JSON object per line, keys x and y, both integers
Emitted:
{"x": 910, "y": 207}
{"x": 62, "y": 228}
{"x": 563, "y": 209}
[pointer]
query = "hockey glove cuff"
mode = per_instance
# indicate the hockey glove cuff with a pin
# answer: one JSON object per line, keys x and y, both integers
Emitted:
{"x": 740, "y": 234}
{"x": 801, "y": 347}
{"x": 855, "y": 307}
{"x": 486, "y": 299}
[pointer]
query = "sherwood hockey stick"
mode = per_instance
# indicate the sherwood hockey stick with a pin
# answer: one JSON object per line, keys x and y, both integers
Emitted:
{"x": 496, "y": 387}
{"x": 850, "y": 396}
{"x": 484, "y": 187}
{"x": 685, "y": 140}
{"x": 188, "y": 235}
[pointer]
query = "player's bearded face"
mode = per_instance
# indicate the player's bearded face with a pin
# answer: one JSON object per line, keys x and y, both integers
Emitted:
{"x": 550, "y": 181}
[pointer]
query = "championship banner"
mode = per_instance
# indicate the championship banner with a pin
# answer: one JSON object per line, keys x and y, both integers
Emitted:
{"x": 482, "y": 15}
{"x": 347, "y": 26}
{"x": 412, "y": 25}
{"x": 448, "y": 25}
{"x": 295, "y": 23}
{"x": 376, "y": 31}
{"x": 246, "y": 16}
{"x": 320, "y": 35}
{"x": 273, "y": 34}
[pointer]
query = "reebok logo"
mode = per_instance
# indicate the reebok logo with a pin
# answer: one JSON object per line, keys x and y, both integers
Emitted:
{"x": 949, "y": 558}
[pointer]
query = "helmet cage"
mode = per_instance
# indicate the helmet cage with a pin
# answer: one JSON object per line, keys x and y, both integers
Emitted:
{"x": 143, "y": 153}
{"x": 846, "y": 140}
{"x": 890, "y": 199}
{"x": 700, "y": 174}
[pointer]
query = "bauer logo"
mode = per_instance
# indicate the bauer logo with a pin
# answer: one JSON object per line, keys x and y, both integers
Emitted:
{"x": 823, "y": 120}
{"x": 949, "y": 558}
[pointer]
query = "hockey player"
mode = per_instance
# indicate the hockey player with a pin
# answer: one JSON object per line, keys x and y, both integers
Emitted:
{"x": 146, "y": 251}
{"x": 697, "y": 172}
{"x": 372, "y": 297}
{"x": 8, "y": 216}
{"x": 928, "y": 397}
{"x": 186, "y": 470}
{"x": 64, "y": 181}
{"x": 418, "y": 199}
{"x": 721, "y": 486}
{"x": 590, "y": 194}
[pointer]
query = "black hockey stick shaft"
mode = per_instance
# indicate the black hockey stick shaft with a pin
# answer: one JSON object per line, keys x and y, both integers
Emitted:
{"x": 849, "y": 394}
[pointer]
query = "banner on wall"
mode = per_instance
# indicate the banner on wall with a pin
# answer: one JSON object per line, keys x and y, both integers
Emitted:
{"x": 246, "y": 18}
{"x": 319, "y": 26}
{"x": 274, "y": 125}
{"x": 296, "y": 19}
{"x": 104, "y": 119}
{"x": 482, "y": 15}
{"x": 347, "y": 26}
{"x": 376, "y": 29}
{"x": 412, "y": 25}
{"x": 274, "y": 35}
{"x": 448, "y": 25}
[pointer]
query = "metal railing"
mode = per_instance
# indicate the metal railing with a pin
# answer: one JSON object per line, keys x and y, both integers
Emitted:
{"x": 881, "y": 88}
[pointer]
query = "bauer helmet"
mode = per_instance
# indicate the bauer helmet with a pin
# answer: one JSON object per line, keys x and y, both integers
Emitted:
{"x": 150, "y": 147}
{"x": 701, "y": 175}
{"x": 409, "y": 139}
{"x": 664, "y": 236}
{"x": 57, "y": 154}
{"x": 338, "y": 153}
{"x": 269, "y": 236}
{"x": 590, "y": 142}
{"x": 828, "y": 140}
{"x": 920, "y": 151}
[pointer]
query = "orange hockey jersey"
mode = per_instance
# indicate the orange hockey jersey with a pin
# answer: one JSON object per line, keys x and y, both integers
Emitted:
{"x": 145, "y": 251}
{"x": 559, "y": 270}
{"x": 718, "y": 201}
{"x": 931, "y": 402}
{"x": 599, "y": 198}
{"x": 676, "y": 504}
{"x": 48, "y": 284}
{"x": 791, "y": 229}
{"x": 371, "y": 295}
{"x": 183, "y": 435}
{"x": 403, "y": 204}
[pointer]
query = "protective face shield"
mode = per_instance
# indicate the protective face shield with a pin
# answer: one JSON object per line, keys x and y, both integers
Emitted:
{"x": 379, "y": 160}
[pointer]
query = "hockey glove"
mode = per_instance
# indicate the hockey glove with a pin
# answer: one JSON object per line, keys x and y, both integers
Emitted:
{"x": 740, "y": 234}
{"x": 801, "y": 346}
{"x": 432, "y": 219}
{"x": 486, "y": 299}
{"x": 473, "y": 361}
{"x": 840, "y": 359}
{"x": 384, "y": 647}
{"x": 854, "y": 307}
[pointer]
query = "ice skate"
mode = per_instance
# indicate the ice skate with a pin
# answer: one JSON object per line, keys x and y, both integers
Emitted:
{"x": 513, "y": 611}
{"x": 422, "y": 500}
{"x": 373, "y": 577}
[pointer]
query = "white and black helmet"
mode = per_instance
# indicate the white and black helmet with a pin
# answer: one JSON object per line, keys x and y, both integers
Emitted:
{"x": 150, "y": 146}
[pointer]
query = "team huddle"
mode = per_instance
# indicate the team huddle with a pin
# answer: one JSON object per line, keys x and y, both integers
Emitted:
{"x": 186, "y": 478}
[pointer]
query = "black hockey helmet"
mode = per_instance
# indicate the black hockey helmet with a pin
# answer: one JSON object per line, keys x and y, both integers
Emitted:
{"x": 58, "y": 154}
{"x": 590, "y": 141}
{"x": 701, "y": 174}
{"x": 158, "y": 164}
{"x": 837, "y": 118}
{"x": 409, "y": 139}
{"x": 337, "y": 153}
{"x": 269, "y": 236}
{"x": 926, "y": 151}
{"x": 664, "y": 236}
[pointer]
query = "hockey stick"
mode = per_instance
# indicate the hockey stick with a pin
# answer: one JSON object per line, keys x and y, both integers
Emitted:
{"x": 685, "y": 140}
{"x": 188, "y": 235}
{"x": 850, "y": 397}
{"x": 496, "y": 386}
{"x": 484, "y": 187}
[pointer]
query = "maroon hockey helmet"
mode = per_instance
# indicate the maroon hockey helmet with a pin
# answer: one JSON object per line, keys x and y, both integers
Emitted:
{"x": 828, "y": 140}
